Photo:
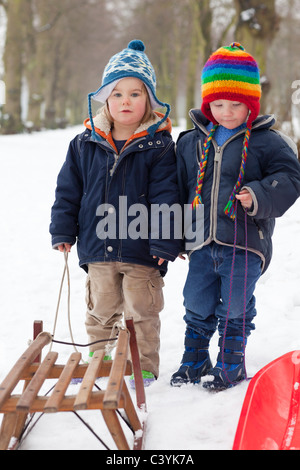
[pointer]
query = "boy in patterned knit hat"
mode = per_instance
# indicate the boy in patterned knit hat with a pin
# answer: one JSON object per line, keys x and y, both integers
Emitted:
{"x": 114, "y": 171}
{"x": 245, "y": 175}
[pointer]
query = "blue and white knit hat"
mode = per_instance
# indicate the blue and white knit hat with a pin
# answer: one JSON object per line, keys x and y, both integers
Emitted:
{"x": 131, "y": 62}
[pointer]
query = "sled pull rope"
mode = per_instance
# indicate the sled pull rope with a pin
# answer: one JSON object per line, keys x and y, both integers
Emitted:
{"x": 230, "y": 291}
{"x": 65, "y": 272}
{"x": 116, "y": 327}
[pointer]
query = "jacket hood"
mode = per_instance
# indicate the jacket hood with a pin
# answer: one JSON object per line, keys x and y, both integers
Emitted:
{"x": 103, "y": 126}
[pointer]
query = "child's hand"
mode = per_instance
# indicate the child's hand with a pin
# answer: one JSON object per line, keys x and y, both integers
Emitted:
{"x": 245, "y": 198}
{"x": 65, "y": 247}
{"x": 160, "y": 260}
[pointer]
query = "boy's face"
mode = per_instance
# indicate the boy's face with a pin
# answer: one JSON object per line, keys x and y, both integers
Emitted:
{"x": 229, "y": 114}
{"x": 127, "y": 102}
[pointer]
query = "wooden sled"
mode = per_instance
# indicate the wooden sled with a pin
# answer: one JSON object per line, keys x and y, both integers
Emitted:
{"x": 270, "y": 418}
{"x": 116, "y": 396}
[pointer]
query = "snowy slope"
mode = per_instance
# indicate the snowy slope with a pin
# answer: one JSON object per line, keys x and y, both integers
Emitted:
{"x": 186, "y": 418}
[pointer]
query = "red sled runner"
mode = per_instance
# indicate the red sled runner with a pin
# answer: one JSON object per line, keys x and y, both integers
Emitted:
{"x": 270, "y": 418}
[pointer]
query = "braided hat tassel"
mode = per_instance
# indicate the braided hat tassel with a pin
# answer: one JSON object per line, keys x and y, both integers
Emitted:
{"x": 229, "y": 209}
{"x": 203, "y": 163}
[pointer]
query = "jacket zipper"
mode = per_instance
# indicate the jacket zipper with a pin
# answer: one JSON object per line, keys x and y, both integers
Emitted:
{"x": 117, "y": 156}
{"x": 216, "y": 183}
{"x": 213, "y": 212}
{"x": 215, "y": 190}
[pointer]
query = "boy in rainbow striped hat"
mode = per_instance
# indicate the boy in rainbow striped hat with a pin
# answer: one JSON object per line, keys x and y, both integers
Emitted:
{"x": 244, "y": 175}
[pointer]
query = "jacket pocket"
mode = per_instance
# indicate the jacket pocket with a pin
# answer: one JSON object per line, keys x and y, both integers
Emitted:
{"x": 259, "y": 230}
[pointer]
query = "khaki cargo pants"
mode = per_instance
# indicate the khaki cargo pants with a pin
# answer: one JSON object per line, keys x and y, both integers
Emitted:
{"x": 115, "y": 288}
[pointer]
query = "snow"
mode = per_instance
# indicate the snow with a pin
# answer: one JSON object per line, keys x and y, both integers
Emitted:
{"x": 247, "y": 15}
{"x": 186, "y": 418}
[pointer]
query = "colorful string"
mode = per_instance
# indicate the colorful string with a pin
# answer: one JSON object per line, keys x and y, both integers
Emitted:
{"x": 202, "y": 167}
{"x": 229, "y": 209}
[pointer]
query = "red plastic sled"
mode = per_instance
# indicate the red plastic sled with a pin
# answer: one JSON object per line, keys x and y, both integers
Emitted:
{"x": 270, "y": 418}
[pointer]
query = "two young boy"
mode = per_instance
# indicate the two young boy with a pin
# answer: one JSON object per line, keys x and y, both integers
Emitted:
{"x": 232, "y": 162}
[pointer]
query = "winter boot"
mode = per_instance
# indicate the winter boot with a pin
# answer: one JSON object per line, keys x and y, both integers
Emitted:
{"x": 230, "y": 368}
{"x": 148, "y": 379}
{"x": 195, "y": 361}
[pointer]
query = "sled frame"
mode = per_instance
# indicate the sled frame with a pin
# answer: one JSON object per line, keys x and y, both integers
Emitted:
{"x": 34, "y": 372}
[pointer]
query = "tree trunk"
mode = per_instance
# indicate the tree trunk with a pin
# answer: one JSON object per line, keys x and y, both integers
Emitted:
{"x": 12, "y": 121}
{"x": 199, "y": 47}
{"x": 32, "y": 70}
{"x": 256, "y": 28}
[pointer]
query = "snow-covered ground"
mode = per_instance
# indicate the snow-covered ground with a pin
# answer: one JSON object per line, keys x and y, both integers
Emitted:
{"x": 186, "y": 418}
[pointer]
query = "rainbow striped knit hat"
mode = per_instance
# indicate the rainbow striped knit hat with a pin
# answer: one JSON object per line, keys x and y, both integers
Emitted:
{"x": 230, "y": 74}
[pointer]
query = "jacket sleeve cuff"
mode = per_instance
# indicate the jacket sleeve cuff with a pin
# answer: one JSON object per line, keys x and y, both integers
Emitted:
{"x": 60, "y": 240}
{"x": 162, "y": 254}
{"x": 254, "y": 208}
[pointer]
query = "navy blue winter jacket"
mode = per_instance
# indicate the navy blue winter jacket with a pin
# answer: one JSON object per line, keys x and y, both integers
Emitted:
{"x": 272, "y": 175}
{"x": 89, "y": 187}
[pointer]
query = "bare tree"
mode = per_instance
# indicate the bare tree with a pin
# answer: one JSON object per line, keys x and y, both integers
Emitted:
{"x": 12, "y": 122}
{"x": 284, "y": 66}
{"x": 56, "y": 51}
{"x": 200, "y": 47}
{"x": 257, "y": 25}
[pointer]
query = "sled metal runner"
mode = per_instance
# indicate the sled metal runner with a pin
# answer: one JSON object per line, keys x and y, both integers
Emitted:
{"x": 34, "y": 373}
{"x": 270, "y": 416}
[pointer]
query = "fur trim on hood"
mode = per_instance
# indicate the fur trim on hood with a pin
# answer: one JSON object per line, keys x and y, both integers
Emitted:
{"x": 103, "y": 126}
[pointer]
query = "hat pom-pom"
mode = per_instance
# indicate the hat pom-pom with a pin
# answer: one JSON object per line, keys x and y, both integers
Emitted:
{"x": 136, "y": 45}
{"x": 237, "y": 45}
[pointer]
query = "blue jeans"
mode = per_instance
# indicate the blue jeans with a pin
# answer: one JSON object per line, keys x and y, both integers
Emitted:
{"x": 207, "y": 291}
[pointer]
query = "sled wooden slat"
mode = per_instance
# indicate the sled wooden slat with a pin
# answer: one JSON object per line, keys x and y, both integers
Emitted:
{"x": 139, "y": 384}
{"x": 138, "y": 378}
{"x": 17, "y": 407}
{"x": 67, "y": 403}
{"x": 92, "y": 372}
{"x": 64, "y": 380}
{"x": 79, "y": 372}
{"x": 37, "y": 329}
{"x": 37, "y": 381}
{"x": 7, "y": 429}
{"x": 27, "y": 358}
{"x": 116, "y": 431}
{"x": 115, "y": 383}
{"x": 130, "y": 409}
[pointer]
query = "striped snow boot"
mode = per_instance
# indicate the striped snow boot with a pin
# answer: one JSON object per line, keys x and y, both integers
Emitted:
{"x": 230, "y": 367}
{"x": 195, "y": 361}
{"x": 148, "y": 379}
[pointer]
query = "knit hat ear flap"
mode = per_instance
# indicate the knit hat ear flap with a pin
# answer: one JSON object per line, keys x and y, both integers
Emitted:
{"x": 94, "y": 133}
